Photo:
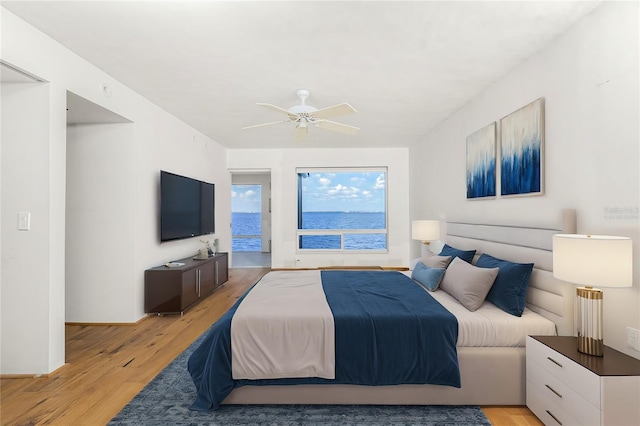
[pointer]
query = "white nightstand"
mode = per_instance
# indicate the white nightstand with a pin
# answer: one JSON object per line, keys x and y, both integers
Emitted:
{"x": 567, "y": 387}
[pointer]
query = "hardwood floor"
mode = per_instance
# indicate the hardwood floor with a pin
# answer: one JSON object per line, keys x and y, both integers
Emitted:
{"x": 108, "y": 365}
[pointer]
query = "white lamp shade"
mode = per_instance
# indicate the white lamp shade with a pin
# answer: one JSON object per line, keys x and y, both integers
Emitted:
{"x": 594, "y": 260}
{"x": 425, "y": 230}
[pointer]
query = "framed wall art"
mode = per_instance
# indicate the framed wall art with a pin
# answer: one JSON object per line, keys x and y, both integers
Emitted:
{"x": 481, "y": 163}
{"x": 522, "y": 151}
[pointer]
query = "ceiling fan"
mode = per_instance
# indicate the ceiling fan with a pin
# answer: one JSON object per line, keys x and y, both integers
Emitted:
{"x": 305, "y": 115}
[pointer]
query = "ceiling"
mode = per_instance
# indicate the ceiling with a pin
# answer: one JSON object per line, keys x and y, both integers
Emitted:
{"x": 404, "y": 66}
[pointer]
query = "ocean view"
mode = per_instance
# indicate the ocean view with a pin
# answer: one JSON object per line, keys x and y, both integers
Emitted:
{"x": 245, "y": 224}
{"x": 249, "y": 224}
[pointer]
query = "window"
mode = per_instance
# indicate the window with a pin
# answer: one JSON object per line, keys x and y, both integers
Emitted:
{"x": 246, "y": 218}
{"x": 342, "y": 209}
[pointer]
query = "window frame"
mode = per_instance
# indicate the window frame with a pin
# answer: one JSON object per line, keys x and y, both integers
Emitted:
{"x": 341, "y": 232}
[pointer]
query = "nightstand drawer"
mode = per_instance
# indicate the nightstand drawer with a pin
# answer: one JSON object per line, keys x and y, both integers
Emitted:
{"x": 573, "y": 375}
{"x": 561, "y": 395}
{"x": 546, "y": 410}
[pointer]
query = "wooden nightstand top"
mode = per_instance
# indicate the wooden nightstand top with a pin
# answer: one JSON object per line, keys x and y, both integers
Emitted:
{"x": 612, "y": 363}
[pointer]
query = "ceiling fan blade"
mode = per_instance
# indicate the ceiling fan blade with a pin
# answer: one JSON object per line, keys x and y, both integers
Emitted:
{"x": 301, "y": 132}
{"x": 275, "y": 108}
{"x": 337, "y": 127}
{"x": 266, "y": 124}
{"x": 334, "y": 111}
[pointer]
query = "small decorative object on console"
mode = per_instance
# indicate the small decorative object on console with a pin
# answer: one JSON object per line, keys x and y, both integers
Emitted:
{"x": 205, "y": 252}
{"x": 202, "y": 254}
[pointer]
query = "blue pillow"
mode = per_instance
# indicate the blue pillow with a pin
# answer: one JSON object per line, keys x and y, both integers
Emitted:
{"x": 427, "y": 277}
{"x": 466, "y": 255}
{"x": 509, "y": 290}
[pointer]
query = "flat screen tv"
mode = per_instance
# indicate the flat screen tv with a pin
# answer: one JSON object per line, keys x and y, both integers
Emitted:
{"x": 187, "y": 207}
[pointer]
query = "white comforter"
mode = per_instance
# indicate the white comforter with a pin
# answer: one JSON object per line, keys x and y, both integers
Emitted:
{"x": 284, "y": 329}
{"x": 491, "y": 326}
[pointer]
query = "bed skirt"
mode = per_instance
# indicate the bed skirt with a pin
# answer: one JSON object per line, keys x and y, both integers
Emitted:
{"x": 490, "y": 376}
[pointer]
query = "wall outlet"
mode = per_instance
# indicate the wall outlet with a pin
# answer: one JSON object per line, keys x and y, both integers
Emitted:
{"x": 632, "y": 338}
{"x": 24, "y": 221}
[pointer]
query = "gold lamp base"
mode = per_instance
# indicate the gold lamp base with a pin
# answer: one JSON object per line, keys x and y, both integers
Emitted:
{"x": 590, "y": 346}
{"x": 589, "y": 320}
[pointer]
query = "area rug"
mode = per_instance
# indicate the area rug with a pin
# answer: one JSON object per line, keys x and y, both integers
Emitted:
{"x": 166, "y": 400}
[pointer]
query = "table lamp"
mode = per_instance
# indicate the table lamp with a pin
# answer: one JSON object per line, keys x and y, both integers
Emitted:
{"x": 425, "y": 230}
{"x": 588, "y": 260}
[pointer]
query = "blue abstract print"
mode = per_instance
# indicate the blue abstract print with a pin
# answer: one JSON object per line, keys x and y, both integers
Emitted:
{"x": 521, "y": 151}
{"x": 481, "y": 163}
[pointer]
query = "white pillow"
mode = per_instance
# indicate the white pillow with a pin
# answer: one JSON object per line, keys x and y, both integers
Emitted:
{"x": 468, "y": 284}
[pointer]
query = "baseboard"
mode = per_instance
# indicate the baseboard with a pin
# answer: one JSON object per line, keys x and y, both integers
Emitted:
{"x": 33, "y": 376}
{"x": 98, "y": 324}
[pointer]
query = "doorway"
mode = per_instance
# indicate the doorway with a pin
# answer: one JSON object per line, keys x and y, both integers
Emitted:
{"x": 99, "y": 199}
{"x": 251, "y": 219}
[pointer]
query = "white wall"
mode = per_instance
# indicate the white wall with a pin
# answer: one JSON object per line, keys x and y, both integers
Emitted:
{"x": 100, "y": 226}
{"x": 284, "y": 198}
{"x": 589, "y": 79}
{"x": 26, "y": 304}
{"x": 33, "y": 179}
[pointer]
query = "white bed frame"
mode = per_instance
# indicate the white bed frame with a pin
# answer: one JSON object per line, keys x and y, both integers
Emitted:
{"x": 490, "y": 376}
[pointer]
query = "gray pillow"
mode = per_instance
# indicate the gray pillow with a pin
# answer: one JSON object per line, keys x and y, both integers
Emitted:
{"x": 434, "y": 261}
{"x": 468, "y": 284}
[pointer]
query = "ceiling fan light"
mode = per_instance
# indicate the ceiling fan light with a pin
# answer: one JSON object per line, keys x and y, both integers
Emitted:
{"x": 302, "y": 109}
{"x": 302, "y": 124}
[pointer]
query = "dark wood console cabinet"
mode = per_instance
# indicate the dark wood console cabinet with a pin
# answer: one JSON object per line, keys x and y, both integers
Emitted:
{"x": 173, "y": 290}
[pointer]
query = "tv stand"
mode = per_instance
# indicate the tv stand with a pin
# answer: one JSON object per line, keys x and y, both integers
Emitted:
{"x": 172, "y": 290}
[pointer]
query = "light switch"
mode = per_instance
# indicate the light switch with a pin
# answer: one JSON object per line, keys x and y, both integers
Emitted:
{"x": 24, "y": 221}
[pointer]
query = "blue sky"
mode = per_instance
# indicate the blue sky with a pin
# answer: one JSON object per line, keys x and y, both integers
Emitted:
{"x": 359, "y": 191}
{"x": 245, "y": 198}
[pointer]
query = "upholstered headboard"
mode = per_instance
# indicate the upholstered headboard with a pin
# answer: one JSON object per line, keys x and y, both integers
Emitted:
{"x": 548, "y": 296}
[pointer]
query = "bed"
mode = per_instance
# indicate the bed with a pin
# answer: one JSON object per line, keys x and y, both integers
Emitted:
{"x": 488, "y": 375}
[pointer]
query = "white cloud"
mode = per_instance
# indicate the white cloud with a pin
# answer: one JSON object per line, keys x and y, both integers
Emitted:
{"x": 324, "y": 182}
{"x": 380, "y": 182}
{"x": 249, "y": 194}
{"x": 343, "y": 190}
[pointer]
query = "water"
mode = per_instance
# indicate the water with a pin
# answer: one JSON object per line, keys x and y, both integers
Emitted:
{"x": 250, "y": 224}
{"x": 246, "y": 224}
{"x": 343, "y": 220}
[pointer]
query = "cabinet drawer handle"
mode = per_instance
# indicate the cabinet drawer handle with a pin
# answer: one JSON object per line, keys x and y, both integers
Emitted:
{"x": 554, "y": 417}
{"x": 554, "y": 361}
{"x": 554, "y": 391}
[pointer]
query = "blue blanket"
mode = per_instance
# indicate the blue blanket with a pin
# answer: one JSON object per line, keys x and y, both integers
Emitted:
{"x": 388, "y": 331}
